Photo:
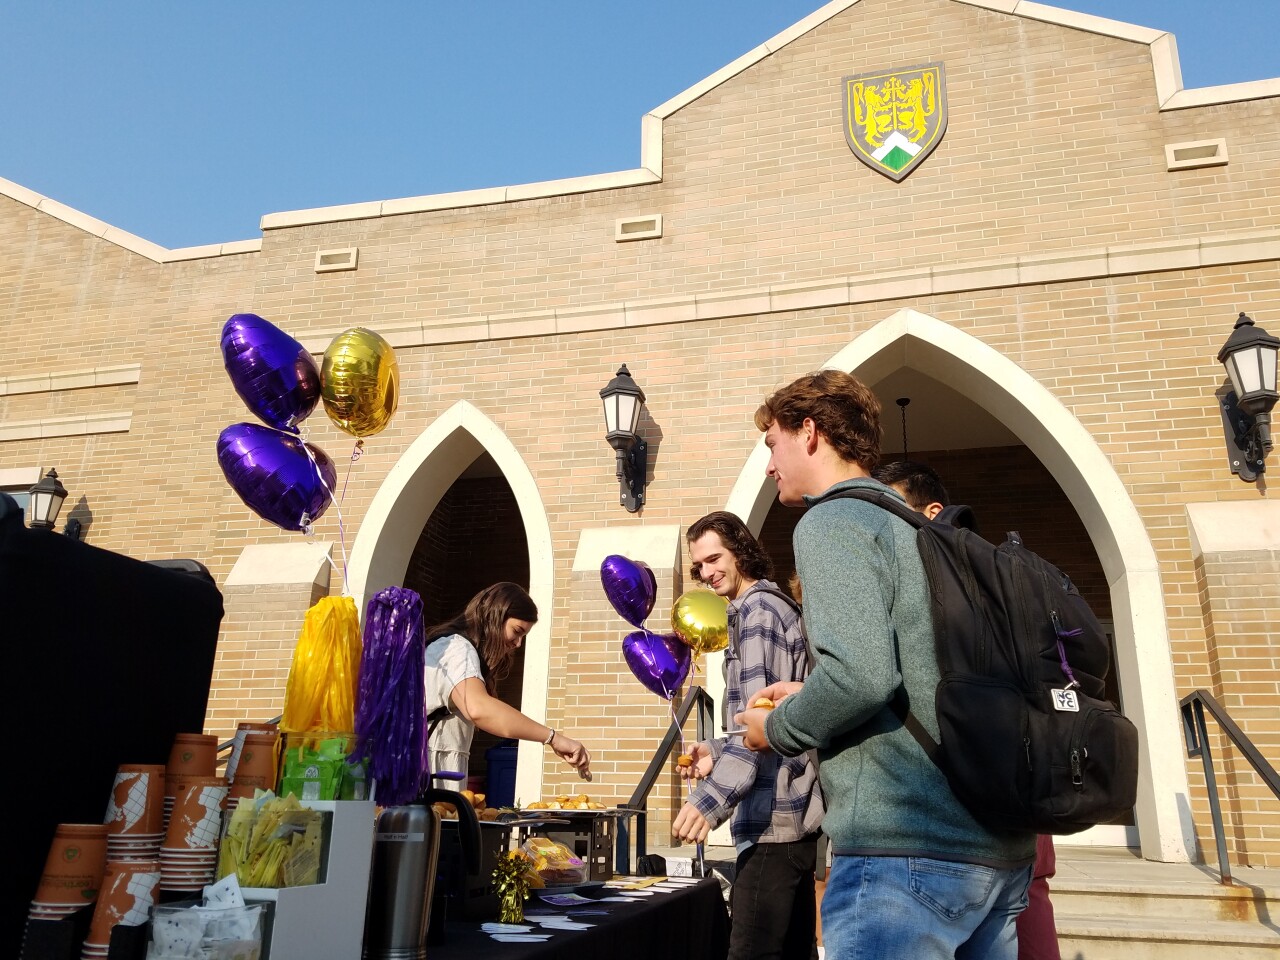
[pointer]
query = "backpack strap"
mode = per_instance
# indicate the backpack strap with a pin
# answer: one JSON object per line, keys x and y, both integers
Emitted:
{"x": 958, "y": 515}
{"x": 900, "y": 705}
{"x": 782, "y": 595}
{"x": 791, "y": 602}
{"x": 884, "y": 498}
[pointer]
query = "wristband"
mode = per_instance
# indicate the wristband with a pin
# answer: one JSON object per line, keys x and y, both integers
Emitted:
{"x": 550, "y": 736}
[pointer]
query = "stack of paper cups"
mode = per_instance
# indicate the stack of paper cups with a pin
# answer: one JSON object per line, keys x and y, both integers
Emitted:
{"x": 135, "y": 813}
{"x": 72, "y": 871}
{"x": 237, "y": 744}
{"x": 189, "y": 856}
{"x": 192, "y": 755}
{"x": 127, "y": 894}
{"x": 255, "y": 768}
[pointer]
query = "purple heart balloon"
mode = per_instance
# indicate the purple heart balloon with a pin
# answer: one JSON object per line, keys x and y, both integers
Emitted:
{"x": 274, "y": 476}
{"x": 658, "y": 660}
{"x": 630, "y": 586}
{"x": 273, "y": 373}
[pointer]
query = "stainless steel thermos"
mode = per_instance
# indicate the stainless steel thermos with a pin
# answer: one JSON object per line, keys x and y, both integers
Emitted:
{"x": 406, "y": 848}
{"x": 406, "y": 855}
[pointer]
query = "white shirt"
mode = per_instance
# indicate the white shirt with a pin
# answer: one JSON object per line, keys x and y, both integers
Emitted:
{"x": 448, "y": 662}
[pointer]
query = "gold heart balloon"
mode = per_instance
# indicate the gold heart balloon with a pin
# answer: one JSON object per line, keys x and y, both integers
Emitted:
{"x": 701, "y": 619}
{"x": 360, "y": 382}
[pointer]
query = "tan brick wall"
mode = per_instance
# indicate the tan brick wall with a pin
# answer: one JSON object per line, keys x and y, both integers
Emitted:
{"x": 1054, "y": 145}
{"x": 260, "y": 630}
{"x": 1241, "y": 592}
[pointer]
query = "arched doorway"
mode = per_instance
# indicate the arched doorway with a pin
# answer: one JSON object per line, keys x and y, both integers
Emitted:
{"x": 474, "y": 538}
{"x": 434, "y": 471}
{"x": 909, "y": 339}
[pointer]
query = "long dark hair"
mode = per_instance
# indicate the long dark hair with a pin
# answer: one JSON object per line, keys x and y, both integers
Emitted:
{"x": 482, "y": 622}
{"x": 750, "y": 557}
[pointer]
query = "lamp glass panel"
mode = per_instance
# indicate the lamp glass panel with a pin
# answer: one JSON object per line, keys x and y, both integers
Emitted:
{"x": 611, "y": 413}
{"x": 628, "y": 412}
{"x": 44, "y": 507}
{"x": 1245, "y": 371}
{"x": 1268, "y": 357}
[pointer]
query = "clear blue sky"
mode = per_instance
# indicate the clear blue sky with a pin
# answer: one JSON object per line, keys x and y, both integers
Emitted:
{"x": 184, "y": 122}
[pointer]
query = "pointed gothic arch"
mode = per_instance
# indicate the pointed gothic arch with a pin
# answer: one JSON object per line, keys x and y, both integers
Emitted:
{"x": 405, "y": 501}
{"x": 1015, "y": 398}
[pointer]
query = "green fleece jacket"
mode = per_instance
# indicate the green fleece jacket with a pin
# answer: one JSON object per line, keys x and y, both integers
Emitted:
{"x": 867, "y": 614}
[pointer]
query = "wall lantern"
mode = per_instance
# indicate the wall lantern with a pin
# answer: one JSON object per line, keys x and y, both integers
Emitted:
{"x": 623, "y": 403}
{"x": 1250, "y": 358}
{"x": 46, "y": 500}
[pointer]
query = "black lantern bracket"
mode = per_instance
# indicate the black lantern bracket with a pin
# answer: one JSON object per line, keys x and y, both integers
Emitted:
{"x": 633, "y": 470}
{"x": 1247, "y": 441}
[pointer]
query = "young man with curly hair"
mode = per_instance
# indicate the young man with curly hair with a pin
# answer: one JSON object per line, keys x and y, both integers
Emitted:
{"x": 914, "y": 874}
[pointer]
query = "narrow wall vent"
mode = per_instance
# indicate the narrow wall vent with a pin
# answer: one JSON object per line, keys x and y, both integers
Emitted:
{"x": 1196, "y": 153}
{"x": 331, "y": 261}
{"x": 647, "y": 227}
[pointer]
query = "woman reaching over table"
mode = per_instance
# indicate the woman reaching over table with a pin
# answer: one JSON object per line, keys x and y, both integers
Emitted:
{"x": 465, "y": 659}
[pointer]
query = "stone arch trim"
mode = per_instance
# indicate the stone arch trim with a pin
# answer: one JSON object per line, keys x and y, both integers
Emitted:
{"x": 1069, "y": 452}
{"x": 405, "y": 501}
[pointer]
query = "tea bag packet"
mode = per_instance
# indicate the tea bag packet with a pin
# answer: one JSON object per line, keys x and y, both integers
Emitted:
{"x": 231, "y": 926}
{"x": 315, "y": 769}
{"x": 176, "y": 934}
{"x": 224, "y": 894}
{"x": 355, "y": 780}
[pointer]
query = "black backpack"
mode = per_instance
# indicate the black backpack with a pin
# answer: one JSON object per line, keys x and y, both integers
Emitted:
{"x": 1028, "y": 741}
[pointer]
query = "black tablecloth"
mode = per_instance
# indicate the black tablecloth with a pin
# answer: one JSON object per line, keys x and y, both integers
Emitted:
{"x": 690, "y": 923}
{"x": 106, "y": 658}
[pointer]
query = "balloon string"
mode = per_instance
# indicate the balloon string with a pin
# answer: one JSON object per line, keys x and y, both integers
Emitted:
{"x": 671, "y": 705}
{"x": 356, "y": 453}
{"x": 342, "y": 529}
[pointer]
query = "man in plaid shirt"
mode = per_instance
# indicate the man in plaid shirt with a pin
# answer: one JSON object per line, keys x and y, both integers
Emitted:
{"x": 775, "y": 801}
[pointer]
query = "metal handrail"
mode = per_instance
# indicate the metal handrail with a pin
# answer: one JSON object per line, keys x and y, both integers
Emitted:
{"x": 1193, "y": 729}
{"x": 636, "y": 807}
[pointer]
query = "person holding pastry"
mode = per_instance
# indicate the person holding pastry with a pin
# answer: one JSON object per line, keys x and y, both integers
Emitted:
{"x": 775, "y": 802}
{"x": 465, "y": 659}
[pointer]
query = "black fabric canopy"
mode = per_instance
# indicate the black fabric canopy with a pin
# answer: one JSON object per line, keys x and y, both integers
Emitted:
{"x": 105, "y": 659}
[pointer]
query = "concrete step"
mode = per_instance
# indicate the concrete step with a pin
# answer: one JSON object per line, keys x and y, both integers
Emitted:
{"x": 1110, "y": 904}
{"x": 1111, "y": 882}
{"x": 1206, "y": 901}
{"x": 1143, "y": 938}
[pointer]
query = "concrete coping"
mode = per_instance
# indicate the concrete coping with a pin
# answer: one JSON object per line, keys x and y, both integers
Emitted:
{"x": 658, "y": 546}
{"x": 1233, "y": 526}
{"x": 268, "y": 564}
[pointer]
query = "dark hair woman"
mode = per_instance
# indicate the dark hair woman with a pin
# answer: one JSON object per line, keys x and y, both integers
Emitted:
{"x": 465, "y": 659}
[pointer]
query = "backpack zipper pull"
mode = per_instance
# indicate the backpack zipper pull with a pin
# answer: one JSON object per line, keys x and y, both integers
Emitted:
{"x": 1077, "y": 774}
{"x": 1063, "y": 633}
{"x": 1026, "y": 748}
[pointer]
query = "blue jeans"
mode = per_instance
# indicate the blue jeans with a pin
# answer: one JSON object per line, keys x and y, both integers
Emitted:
{"x": 877, "y": 908}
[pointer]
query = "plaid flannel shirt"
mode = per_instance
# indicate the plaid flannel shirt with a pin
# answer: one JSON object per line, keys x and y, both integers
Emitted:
{"x": 772, "y": 799}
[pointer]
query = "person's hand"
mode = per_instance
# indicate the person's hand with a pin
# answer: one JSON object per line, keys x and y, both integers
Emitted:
{"x": 573, "y": 753}
{"x": 702, "y": 763}
{"x": 690, "y": 825}
{"x": 780, "y": 691}
{"x": 754, "y": 721}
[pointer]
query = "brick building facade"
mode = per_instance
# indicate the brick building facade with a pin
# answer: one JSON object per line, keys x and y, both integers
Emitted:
{"x": 1050, "y": 286}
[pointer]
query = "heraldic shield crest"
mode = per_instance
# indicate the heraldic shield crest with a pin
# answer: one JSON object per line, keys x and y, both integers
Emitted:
{"x": 893, "y": 119}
